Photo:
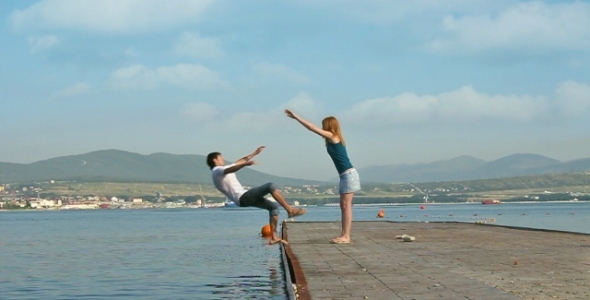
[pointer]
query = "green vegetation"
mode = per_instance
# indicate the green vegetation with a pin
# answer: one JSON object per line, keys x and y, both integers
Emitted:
{"x": 523, "y": 188}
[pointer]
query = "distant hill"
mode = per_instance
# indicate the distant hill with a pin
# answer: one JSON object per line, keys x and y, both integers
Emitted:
{"x": 443, "y": 170}
{"x": 471, "y": 168}
{"x": 122, "y": 166}
{"x": 514, "y": 165}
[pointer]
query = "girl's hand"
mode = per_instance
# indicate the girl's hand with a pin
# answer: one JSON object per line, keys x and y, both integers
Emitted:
{"x": 290, "y": 114}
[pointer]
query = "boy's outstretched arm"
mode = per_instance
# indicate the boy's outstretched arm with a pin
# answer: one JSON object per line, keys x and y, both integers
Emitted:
{"x": 249, "y": 156}
{"x": 238, "y": 166}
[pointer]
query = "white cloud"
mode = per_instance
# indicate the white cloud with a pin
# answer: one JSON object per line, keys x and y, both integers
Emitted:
{"x": 405, "y": 108}
{"x": 75, "y": 90}
{"x": 199, "y": 112}
{"x": 388, "y": 11}
{"x": 193, "y": 45}
{"x": 131, "y": 53}
{"x": 463, "y": 106}
{"x": 42, "y": 43}
{"x": 252, "y": 121}
{"x": 304, "y": 105}
{"x": 278, "y": 70}
{"x": 275, "y": 118}
{"x": 573, "y": 99}
{"x": 192, "y": 76}
{"x": 531, "y": 26}
{"x": 108, "y": 16}
{"x": 466, "y": 105}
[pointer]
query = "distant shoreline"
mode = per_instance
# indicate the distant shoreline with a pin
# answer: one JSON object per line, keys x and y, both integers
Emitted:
{"x": 327, "y": 205}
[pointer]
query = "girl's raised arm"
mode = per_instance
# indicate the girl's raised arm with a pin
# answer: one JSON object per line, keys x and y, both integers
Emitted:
{"x": 323, "y": 133}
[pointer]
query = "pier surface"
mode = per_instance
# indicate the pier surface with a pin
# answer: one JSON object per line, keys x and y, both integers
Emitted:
{"x": 446, "y": 261}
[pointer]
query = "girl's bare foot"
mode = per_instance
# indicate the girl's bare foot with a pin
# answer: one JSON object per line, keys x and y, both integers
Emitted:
{"x": 340, "y": 240}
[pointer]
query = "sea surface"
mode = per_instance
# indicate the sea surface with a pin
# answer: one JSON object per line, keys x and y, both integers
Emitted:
{"x": 201, "y": 253}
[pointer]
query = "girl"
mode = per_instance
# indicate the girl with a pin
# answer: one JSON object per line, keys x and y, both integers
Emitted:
{"x": 349, "y": 178}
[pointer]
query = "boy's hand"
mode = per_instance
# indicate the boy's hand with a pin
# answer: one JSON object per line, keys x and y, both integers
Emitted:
{"x": 258, "y": 150}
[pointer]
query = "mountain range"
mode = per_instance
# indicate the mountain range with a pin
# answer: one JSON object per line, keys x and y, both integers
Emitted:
{"x": 471, "y": 168}
{"x": 122, "y": 166}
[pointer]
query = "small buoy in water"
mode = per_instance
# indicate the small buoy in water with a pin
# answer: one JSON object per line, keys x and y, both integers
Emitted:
{"x": 381, "y": 214}
{"x": 266, "y": 231}
{"x": 422, "y": 207}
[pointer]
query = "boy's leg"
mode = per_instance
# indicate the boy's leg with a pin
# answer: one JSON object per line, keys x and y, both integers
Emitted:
{"x": 253, "y": 198}
{"x": 273, "y": 221}
{"x": 291, "y": 211}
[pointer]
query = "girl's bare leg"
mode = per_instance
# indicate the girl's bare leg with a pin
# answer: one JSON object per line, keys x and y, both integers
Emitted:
{"x": 346, "y": 211}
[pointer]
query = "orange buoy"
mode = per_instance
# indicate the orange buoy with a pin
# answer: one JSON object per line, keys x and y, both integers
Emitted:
{"x": 422, "y": 207}
{"x": 381, "y": 214}
{"x": 266, "y": 231}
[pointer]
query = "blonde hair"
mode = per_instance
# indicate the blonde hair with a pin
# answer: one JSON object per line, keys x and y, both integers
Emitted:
{"x": 331, "y": 124}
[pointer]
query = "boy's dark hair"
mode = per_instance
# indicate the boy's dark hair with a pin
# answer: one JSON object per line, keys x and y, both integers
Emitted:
{"x": 210, "y": 157}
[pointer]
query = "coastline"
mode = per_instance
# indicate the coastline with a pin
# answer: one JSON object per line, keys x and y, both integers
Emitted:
{"x": 326, "y": 205}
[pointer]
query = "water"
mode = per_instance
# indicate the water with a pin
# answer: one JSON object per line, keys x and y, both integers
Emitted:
{"x": 196, "y": 253}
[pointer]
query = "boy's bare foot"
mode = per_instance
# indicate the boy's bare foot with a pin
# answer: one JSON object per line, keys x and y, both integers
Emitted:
{"x": 274, "y": 242}
{"x": 296, "y": 212}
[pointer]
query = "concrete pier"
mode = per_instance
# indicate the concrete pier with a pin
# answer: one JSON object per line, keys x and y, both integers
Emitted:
{"x": 445, "y": 261}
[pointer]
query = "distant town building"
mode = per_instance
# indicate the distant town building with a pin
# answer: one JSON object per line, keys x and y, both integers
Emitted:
{"x": 44, "y": 203}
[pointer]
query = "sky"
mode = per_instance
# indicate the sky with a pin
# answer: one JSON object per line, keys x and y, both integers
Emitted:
{"x": 410, "y": 81}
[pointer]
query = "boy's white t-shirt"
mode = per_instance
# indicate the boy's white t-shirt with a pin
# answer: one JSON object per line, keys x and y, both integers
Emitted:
{"x": 228, "y": 184}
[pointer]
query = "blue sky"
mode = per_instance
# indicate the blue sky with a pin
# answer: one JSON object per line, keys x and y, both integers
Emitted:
{"x": 410, "y": 81}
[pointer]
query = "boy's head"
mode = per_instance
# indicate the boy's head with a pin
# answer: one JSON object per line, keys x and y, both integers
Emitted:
{"x": 214, "y": 159}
